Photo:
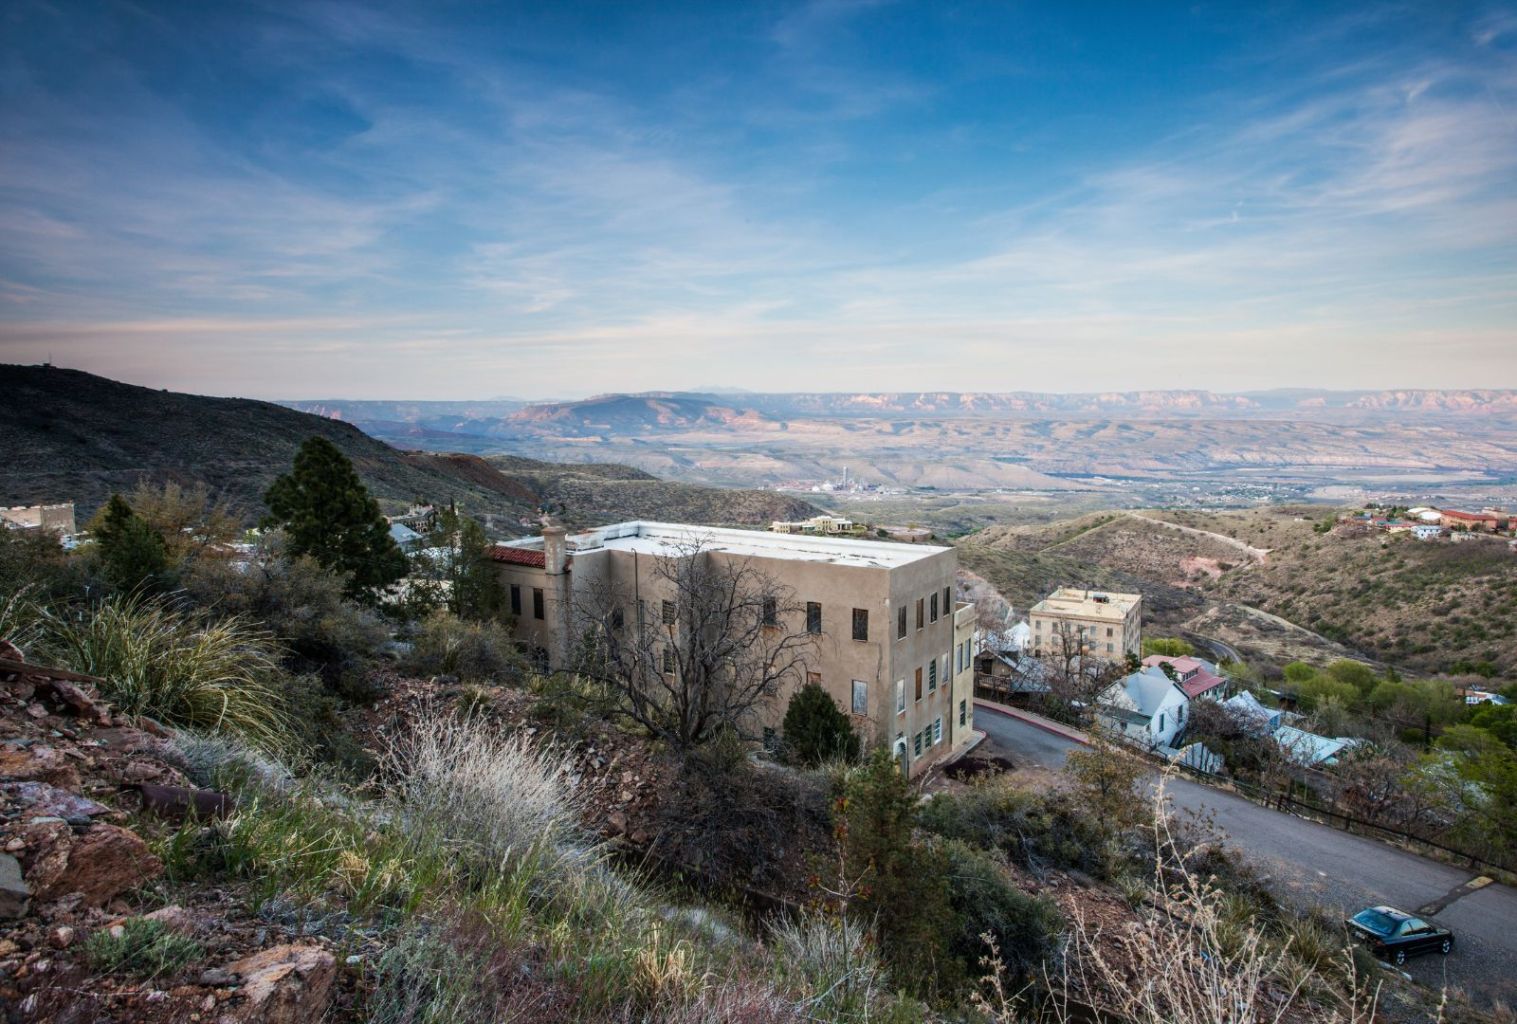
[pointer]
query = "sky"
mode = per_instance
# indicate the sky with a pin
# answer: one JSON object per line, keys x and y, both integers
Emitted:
{"x": 469, "y": 200}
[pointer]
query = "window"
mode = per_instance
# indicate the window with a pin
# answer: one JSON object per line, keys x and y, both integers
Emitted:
{"x": 668, "y": 659}
{"x": 861, "y": 623}
{"x": 919, "y": 682}
{"x": 900, "y": 623}
{"x": 916, "y": 744}
{"x": 813, "y": 617}
{"x": 814, "y": 677}
{"x": 537, "y": 602}
{"x": 771, "y": 612}
{"x": 921, "y": 612}
{"x": 668, "y": 613}
{"x": 1037, "y": 626}
{"x": 947, "y": 600}
{"x": 900, "y": 696}
{"x": 860, "y": 697}
{"x": 1108, "y": 633}
{"x": 1161, "y": 721}
{"x": 515, "y": 599}
{"x": 617, "y": 621}
{"x": 932, "y": 608}
{"x": 1108, "y": 648}
{"x": 932, "y": 674}
{"x": 937, "y": 730}
{"x": 963, "y": 711}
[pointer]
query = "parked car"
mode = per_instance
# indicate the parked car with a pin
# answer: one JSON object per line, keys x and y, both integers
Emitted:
{"x": 1394, "y": 935}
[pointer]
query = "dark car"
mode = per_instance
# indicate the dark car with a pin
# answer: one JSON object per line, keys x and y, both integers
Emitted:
{"x": 1395, "y": 935}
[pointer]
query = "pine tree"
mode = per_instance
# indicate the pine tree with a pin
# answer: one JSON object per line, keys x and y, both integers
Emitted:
{"x": 132, "y": 554}
{"x": 327, "y": 513}
{"x": 816, "y": 730}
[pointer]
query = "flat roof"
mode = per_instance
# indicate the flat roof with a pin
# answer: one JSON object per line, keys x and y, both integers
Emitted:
{"x": 653, "y": 538}
{"x": 1095, "y": 604}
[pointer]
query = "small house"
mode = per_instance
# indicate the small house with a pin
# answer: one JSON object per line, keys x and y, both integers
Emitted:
{"x": 1146, "y": 707}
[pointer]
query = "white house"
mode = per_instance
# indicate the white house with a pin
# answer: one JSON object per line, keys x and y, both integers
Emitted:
{"x": 1147, "y": 707}
{"x": 1260, "y": 718}
{"x": 1427, "y": 531}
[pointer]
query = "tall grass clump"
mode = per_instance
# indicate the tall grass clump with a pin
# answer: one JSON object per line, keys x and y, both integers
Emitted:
{"x": 833, "y": 962}
{"x": 498, "y": 795}
{"x": 21, "y": 618}
{"x": 215, "y": 676}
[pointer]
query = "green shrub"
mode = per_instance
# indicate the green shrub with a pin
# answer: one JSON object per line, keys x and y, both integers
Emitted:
{"x": 300, "y": 603}
{"x": 816, "y": 729}
{"x": 481, "y": 651}
{"x": 1037, "y": 831}
{"x": 145, "y": 949}
{"x": 219, "y": 676}
{"x": 985, "y": 902}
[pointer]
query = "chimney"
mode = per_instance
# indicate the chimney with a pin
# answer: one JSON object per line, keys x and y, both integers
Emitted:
{"x": 554, "y": 537}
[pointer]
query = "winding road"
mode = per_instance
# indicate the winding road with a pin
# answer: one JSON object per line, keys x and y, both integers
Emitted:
{"x": 1314, "y": 864}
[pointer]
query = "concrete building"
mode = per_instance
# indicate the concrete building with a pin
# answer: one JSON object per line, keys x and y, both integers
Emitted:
{"x": 824, "y": 526}
{"x": 892, "y": 646}
{"x": 1107, "y": 626}
{"x": 57, "y": 518}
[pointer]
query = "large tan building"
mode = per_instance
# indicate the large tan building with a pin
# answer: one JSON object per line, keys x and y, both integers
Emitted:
{"x": 890, "y": 645}
{"x": 1105, "y": 626}
{"x": 57, "y": 518}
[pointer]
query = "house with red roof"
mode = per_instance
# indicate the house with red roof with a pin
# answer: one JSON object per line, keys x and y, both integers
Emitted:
{"x": 1194, "y": 676}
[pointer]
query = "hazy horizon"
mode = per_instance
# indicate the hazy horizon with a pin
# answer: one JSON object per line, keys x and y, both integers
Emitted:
{"x": 347, "y": 200}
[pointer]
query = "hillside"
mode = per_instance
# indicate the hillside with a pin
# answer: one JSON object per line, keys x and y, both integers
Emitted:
{"x": 588, "y": 494}
{"x": 73, "y": 436}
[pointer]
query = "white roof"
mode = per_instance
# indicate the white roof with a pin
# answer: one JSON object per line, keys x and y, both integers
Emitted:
{"x": 652, "y": 538}
{"x": 1095, "y": 604}
{"x": 400, "y": 533}
{"x": 1309, "y": 748}
{"x": 1145, "y": 690}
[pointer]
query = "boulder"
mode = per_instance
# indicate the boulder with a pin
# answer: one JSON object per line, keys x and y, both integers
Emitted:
{"x": 14, "y": 893}
{"x": 39, "y": 762}
{"x": 175, "y": 918}
{"x": 289, "y": 984}
{"x": 43, "y": 800}
{"x": 98, "y": 865}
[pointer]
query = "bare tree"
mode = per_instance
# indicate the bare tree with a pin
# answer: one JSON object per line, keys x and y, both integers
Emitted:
{"x": 1074, "y": 675}
{"x": 702, "y": 644}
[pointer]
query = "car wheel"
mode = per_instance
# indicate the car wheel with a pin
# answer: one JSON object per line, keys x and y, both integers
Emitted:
{"x": 1400, "y": 957}
{"x": 1447, "y": 947}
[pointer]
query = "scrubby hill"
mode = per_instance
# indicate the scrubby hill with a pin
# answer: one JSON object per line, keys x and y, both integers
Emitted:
{"x": 73, "y": 436}
{"x": 590, "y": 494}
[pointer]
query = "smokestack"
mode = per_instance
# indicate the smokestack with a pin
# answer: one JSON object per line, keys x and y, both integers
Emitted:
{"x": 554, "y": 544}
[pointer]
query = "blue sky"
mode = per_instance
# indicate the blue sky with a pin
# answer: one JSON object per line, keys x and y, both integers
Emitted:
{"x": 466, "y": 200}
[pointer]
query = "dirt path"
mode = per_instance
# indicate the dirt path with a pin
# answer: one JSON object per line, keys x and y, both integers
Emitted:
{"x": 1258, "y": 554}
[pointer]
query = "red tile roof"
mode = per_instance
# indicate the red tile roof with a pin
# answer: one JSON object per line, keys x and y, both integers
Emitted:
{"x": 1195, "y": 679}
{"x": 519, "y": 556}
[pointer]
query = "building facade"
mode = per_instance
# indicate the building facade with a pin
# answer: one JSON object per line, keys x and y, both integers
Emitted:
{"x": 1102, "y": 625}
{"x": 889, "y": 642}
{"x": 57, "y": 519}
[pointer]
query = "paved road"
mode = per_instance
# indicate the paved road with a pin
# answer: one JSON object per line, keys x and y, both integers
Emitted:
{"x": 1316, "y": 864}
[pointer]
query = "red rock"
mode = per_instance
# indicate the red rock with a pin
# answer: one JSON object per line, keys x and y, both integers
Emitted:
{"x": 290, "y": 984}
{"x": 98, "y": 865}
{"x": 175, "y": 918}
{"x": 41, "y": 763}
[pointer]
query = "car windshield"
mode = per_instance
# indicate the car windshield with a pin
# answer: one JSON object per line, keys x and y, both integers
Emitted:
{"x": 1376, "y": 921}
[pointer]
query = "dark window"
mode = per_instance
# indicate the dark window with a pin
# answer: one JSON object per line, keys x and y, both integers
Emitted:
{"x": 515, "y": 599}
{"x": 917, "y": 745}
{"x": 814, "y": 677}
{"x": 919, "y": 682}
{"x": 947, "y": 600}
{"x": 933, "y": 609}
{"x": 813, "y": 617}
{"x": 932, "y": 674}
{"x": 771, "y": 612}
{"x": 861, "y": 623}
{"x": 617, "y": 620}
{"x": 668, "y": 660}
{"x": 963, "y": 708}
{"x": 921, "y": 612}
{"x": 537, "y": 602}
{"x": 668, "y": 613}
{"x": 900, "y": 624}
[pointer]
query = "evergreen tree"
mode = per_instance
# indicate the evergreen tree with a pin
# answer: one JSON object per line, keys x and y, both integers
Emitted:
{"x": 327, "y": 513}
{"x": 816, "y": 730}
{"x": 475, "y": 590}
{"x": 132, "y": 554}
